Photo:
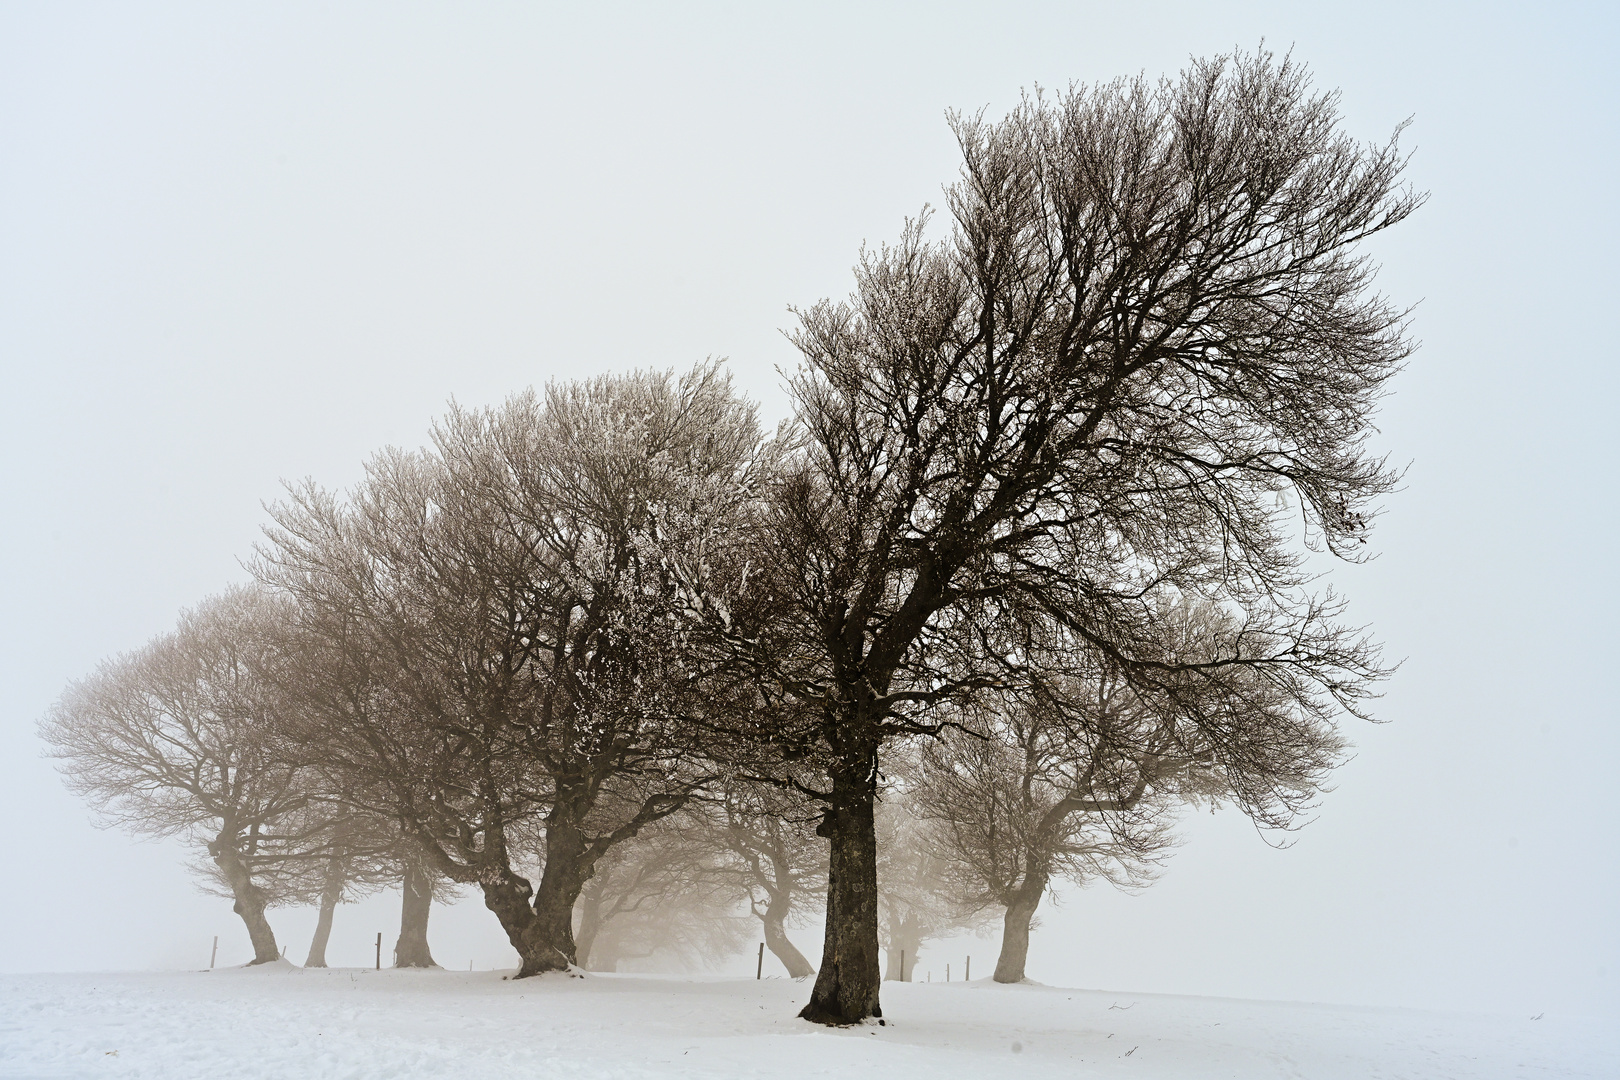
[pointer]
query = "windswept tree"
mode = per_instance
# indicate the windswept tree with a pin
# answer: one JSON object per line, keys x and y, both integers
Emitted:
{"x": 412, "y": 667}
{"x": 1078, "y": 773}
{"x": 771, "y": 853}
{"x": 917, "y": 898}
{"x": 1016, "y": 807}
{"x": 1141, "y": 365}
{"x": 676, "y": 888}
{"x": 420, "y": 884}
{"x": 177, "y": 739}
{"x": 493, "y": 635}
{"x": 357, "y": 867}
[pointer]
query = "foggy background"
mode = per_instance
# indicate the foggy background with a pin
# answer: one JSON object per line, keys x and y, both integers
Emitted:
{"x": 238, "y": 246}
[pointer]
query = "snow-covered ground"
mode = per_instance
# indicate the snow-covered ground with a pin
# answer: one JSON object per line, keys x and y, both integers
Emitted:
{"x": 281, "y": 1021}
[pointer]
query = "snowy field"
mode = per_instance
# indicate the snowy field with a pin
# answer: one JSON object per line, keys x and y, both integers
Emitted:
{"x": 281, "y": 1021}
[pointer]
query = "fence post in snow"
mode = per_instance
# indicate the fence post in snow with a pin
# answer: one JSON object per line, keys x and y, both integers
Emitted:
{"x": 759, "y": 970}
{"x": 215, "y": 954}
{"x": 967, "y": 972}
{"x": 379, "y": 950}
{"x": 902, "y": 965}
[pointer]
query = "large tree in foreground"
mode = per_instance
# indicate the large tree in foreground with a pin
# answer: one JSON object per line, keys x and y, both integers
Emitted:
{"x": 1141, "y": 366}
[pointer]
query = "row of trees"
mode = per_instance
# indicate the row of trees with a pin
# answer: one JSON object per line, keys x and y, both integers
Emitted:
{"x": 1031, "y": 555}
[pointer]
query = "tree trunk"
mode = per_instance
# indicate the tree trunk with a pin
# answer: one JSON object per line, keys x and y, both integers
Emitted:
{"x": 551, "y": 936}
{"x": 539, "y": 922}
{"x": 331, "y": 893}
{"x": 905, "y": 942}
{"x": 776, "y": 939}
{"x": 507, "y": 895}
{"x": 590, "y": 924}
{"x": 411, "y": 950}
{"x": 1015, "y": 930}
{"x": 607, "y": 957}
{"x": 250, "y": 899}
{"x": 846, "y": 990}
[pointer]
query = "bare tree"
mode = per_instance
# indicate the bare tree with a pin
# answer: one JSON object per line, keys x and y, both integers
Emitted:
{"x": 1078, "y": 773}
{"x": 772, "y": 853}
{"x": 916, "y": 901}
{"x": 1147, "y": 339}
{"x": 681, "y": 881}
{"x": 659, "y": 898}
{"x": 420, "y": 885}
{"x": 1023, "y": 800}
{"x": 173, "y": 739}
{"x": 495, "y": 636}
{"x": 361, "y": 848}
{"x": 343, "y": 879}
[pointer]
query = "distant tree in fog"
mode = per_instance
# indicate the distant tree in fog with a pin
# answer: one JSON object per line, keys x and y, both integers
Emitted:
{"x": 344, "y": 878}
{"x": 916, "y": 901}
{"x": 659, "y": 898}
{"x": 1077, "y": 771}
{"x": 767, "y": 838}
{"x": 348, "y": 856}
{"x": 676, "y": 889}
{"x": 1014, "y": 807}
{"x": 177, "y": 738}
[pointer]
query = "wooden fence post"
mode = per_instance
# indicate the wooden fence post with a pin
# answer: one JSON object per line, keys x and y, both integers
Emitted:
{"x": 967, "y": 972}
{"x": 902, "y": 965}
{"x": 379, "y": 950}
{"x": 215, "y": 954}
{"x": 759, "y": 970}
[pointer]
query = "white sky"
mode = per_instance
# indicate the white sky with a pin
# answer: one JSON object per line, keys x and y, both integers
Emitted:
{"x": 239, "y": 245}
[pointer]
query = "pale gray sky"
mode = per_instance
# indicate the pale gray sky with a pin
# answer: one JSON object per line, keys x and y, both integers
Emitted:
{"x": 239, "y": 244}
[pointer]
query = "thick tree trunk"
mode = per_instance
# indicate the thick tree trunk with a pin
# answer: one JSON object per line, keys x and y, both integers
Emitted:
{"x": 540, "y": 922}
{"x": 250, "y": 899}
{"x": 411, "y": 950}
{"x": 552, "y": 934}
{"x": 331, "y": 893}
{"x": 905, "y": 942}
{"x": 507, "y": 895}
{"x": 776, "y": 939}
{"x": 846, "y": 990}
{"x": 1015, "y": 930}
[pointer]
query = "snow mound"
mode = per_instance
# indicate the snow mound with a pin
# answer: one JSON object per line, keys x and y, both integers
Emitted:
{"x": 272, "y": 967}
